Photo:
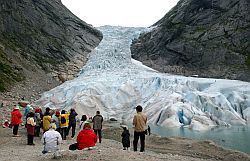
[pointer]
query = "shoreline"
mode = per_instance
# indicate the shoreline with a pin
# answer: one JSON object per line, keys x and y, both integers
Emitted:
{"x": 204, "y": 149}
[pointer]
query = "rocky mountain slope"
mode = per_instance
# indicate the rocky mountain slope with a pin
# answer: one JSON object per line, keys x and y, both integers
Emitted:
{"x": 209, "y": 38}
{"x": 41, "y": 44}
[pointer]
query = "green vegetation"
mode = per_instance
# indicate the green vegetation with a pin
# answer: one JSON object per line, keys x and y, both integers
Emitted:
{"x": 248, "y": 61}
{"x": 8, "y": 75}
{"x": 200, "y": 29}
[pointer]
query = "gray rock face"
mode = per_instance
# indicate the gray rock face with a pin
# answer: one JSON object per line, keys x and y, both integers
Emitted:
{"x": 209, "y": 38}
{"x": 44, "y": 34}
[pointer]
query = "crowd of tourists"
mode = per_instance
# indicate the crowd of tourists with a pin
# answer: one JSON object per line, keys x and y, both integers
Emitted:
{"x": 55, "y": 126}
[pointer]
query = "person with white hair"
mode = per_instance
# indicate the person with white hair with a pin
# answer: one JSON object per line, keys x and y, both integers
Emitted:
{"x": 51, "y": 140}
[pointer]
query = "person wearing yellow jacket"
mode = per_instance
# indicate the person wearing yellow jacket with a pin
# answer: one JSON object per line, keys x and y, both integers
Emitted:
{"x": 64, "y": 123}
{"x": 47, "y": 120}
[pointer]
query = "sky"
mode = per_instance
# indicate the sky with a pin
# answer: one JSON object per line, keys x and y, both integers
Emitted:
{"x": 127, "y": 13}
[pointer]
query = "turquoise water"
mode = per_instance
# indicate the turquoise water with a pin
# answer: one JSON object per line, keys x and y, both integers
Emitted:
{"x": 235, "y": 137}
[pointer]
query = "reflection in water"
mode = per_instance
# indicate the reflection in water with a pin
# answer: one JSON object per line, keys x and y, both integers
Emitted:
{"x": 235, "y": 137}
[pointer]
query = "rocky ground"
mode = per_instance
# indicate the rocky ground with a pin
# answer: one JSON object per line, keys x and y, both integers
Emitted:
{"x": 157, "y": 149}
{"x": 36, "y": 83}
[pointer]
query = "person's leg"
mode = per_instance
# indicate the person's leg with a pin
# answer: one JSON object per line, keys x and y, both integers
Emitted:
{"x": 142, "y": 139}
{"x": 68, "y": 129}
{"x": 64, "y": 133}
{"x": 32, "y": 139}
{"x": 95, "y": 132}
{"x": 15, "y": 129}
{"x": 61, "y": 132}
{"x": 100, "y": 135}
{"x": 73, "y": 129}
{"x": 135, "y": 142}
{"x": 37, "y": 131}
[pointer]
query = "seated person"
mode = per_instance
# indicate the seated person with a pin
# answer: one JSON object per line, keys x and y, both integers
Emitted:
{"x": 85, "y": 139}
{"x": 51, "y": 139}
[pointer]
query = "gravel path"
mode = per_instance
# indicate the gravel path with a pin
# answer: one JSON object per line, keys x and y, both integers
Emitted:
{"x": 15, "y": 149}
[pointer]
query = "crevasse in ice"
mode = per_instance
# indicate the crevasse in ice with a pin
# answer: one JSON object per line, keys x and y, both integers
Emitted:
{"x": 115, "y": 84}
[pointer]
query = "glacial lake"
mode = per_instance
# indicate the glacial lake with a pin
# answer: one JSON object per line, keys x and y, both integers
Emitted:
{"x": 234, "y": 137}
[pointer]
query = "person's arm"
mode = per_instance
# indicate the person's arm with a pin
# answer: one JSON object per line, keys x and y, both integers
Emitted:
{"x": 134, "y": 120}
{"x": 50, "y": 119}
{"x": 20, "y": 115}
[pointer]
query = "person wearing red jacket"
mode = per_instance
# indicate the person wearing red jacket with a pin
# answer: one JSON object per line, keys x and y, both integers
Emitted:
{"x": 85, "y": 139}
{"x": 16, "y": 120}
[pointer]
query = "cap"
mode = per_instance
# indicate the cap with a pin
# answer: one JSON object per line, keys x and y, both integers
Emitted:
{"x": 16, "y": 108}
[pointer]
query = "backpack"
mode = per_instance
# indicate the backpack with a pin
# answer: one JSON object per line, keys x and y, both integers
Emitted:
{"x": 63, "y": 120}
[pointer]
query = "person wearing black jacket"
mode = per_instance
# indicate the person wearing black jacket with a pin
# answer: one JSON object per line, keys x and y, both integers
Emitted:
{"x": 72, "y": 122}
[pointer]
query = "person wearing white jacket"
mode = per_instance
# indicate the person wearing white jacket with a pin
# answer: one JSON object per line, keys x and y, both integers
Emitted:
{"x": 51, "y": 140}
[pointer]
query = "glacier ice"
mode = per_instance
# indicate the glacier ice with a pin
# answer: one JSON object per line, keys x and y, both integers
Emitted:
{"x": 115, "y": 84}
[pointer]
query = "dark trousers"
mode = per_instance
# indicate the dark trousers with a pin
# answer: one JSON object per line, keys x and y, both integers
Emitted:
{"x": 63, "y": 132}
{"x": 138, "y": 135}
{"x": 15, "y": 129}
{"x": 37, "y": 131}
{"x": 99, "y": 134}
{"x": 73, "y": 125}
{"x": 30, "y": 139}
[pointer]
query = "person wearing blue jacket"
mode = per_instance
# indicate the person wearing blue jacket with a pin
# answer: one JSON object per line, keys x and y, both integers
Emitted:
{"x": 72, "y": 122}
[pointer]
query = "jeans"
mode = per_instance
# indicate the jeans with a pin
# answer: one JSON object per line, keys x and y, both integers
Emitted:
{"x": 138, "y": 135}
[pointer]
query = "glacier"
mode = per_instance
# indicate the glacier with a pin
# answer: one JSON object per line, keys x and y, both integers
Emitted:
{"x": 114, "y": 83}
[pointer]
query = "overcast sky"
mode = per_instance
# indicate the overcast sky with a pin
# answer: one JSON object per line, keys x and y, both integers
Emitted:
{"x": 129, "y": 13}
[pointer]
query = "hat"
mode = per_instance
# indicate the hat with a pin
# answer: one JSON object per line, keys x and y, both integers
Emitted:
{"x": 57, "y": 113}
{"x": 37, "y": 110}
{"x": 124, "y": 126}
{"x": 16, "y": 108}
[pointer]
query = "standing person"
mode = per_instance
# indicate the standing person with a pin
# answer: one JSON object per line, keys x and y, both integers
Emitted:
{"x": 82, "y": 121}
{"x": 47, "y": 120}
{"x": 51, "y": 140}
{"x": 97, "y": 125}
{"x": 38, "y": 121}
{"x": 26, "y": 111}
{"x": 72, "y": 122}
{"x": 139, "y": 122}
{"x": 31, "y": 128}
{"x": 85, "y": 139}
{"x": 16, "y": 120}
{"x": 64, "y": 123}
{"x": 55, "y": 119}
{"x": 125, "y": 138}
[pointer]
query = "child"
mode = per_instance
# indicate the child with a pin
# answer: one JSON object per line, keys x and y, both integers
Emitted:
{"x": 125, "y": 138}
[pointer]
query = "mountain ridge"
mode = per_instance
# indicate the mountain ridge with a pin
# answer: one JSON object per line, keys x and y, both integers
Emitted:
{"x": 209, "y": 38}
{"x": 42, "y": 37}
